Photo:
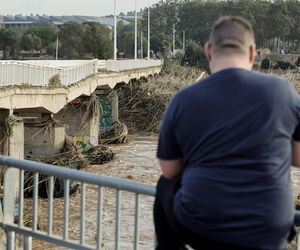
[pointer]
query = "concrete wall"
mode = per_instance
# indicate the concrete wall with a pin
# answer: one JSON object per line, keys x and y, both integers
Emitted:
{"x": 45, "y": 141}
{"x": 72, "y": 116}
{"x": 3, "y": 114}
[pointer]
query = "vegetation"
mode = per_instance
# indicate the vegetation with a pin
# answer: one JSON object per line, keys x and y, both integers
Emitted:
{"x": 276, "y": 25}
{"x": 87, "y": 40}
{"x": 265, "y": 63}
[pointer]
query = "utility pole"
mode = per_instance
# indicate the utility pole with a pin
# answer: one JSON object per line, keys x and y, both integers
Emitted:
{"x": 135, "y": 34}
{"x": 174, "y": 35}
{"x": 56, "y": 47}
{"x": 183, "y": 41}
{"x": 115, "y": 30}
{"x": 174, "y": 29}
{"x": 142, "y": 50}
{"x": 148, "y": 50}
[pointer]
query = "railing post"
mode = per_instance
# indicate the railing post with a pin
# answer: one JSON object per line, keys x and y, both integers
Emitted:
{"x": 27, "y": 244}
{"x": 10, "y": 240}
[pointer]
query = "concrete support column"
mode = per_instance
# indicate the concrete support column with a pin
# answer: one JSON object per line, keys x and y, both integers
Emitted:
{"x": 43, "y": 140}
{"x": 81, "y": 118}
{"x": 12, "y": 135}
{"x": 109, "y": 111}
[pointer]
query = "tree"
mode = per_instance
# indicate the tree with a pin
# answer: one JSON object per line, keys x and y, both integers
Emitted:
{"x": 161, "y": 43}
{"x": 31, "y": 41}
{"x": 126, "y": 44}
{"x": 194, "y": 55}
{"x": 71, "y": 41}
{"x": 9, "y": 42}
{"x": 96, "y": 39}
{"x": 46, "y": 32}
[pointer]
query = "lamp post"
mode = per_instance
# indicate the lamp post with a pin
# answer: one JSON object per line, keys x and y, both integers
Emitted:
{"x": 56, "y": 46}
{"x": 142, "y": 49}
{"x": 135, "y": 33}
{"x": 174, "y": 37}
{"x": 183, "y": 41}
{"x": 115, "y": 30}
{"x": 148, "y": 50}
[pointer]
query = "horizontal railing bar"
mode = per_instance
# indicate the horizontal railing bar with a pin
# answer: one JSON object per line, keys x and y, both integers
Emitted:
{"x": 43, "y": 236}
{"x": 90, "y": 178}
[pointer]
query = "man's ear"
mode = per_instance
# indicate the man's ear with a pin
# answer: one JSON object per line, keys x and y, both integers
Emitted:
{"x": 252, "y": 53}
{"x": 207, "y": 51}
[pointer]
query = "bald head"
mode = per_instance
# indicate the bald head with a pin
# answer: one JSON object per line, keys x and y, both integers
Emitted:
{"x": 231, "y": 39}
{"x": 232, "y": 35}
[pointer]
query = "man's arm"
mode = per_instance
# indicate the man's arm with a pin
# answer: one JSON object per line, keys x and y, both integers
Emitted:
{"x": 171, "y": 168}
{"x": 296, "y": 154}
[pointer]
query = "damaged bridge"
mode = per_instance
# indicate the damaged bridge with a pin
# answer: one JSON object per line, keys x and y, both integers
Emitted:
{"x": 34, "y": 92}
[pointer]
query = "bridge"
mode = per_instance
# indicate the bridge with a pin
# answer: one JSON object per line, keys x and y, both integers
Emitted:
{"x": 37, "y": 93}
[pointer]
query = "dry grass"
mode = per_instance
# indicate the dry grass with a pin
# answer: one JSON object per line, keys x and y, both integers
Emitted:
{"x": 142, "y": 104}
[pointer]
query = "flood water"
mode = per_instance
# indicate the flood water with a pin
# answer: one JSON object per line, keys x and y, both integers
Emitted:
{"x": 135, "y": 161}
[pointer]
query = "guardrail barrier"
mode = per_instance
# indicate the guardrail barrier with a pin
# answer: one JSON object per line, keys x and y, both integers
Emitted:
{"x": 13, "y": 227}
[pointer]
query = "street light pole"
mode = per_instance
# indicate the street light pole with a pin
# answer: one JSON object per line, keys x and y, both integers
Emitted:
{"x": 148, "y": 51}
{"x": 183, "y": 41}
{"x": 174, "y": 37}
{"x": 115, "y": 30}
{"x": 56, "y": 47}
{"x": 142, "y": 49}
{"x": 135, "y": 34}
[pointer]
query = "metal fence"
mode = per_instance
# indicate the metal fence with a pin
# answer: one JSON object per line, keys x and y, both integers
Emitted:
{"x": 18, "y": 73}
{"x": 38, "y": 72}
{"x": 13, "y": 227}
{"x": 122, "y": 65}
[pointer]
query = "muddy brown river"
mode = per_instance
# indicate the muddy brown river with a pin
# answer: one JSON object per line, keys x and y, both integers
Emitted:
{"x": 135, "y": 161}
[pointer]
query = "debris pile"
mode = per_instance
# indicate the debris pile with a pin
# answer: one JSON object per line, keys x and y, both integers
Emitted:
{"x": 118, "y": 134}
{"x": 142, "y": 104}
{"x": 71, "y": 156}
{"x": 99, "y": 155}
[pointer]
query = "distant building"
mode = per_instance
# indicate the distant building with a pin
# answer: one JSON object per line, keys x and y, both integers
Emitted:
{"x": 24, "y": 22}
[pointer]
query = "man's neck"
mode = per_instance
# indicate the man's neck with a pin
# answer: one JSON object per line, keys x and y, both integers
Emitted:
{"x": 221, "y": 63}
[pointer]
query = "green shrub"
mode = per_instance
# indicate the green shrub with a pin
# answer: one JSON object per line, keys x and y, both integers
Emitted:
{"x": 265, "y": 63}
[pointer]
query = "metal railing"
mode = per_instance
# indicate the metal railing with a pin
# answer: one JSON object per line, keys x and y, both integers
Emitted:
{"x": 18, "y": 73}
{"x": 38, "y": 73}
{"x": 12, "y": 227}
{"x": 122, "y": 65}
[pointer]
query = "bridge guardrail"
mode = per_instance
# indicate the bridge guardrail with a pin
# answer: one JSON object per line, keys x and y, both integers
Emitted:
{"x": 11, "y": 228}
{"x": 121, "y": 65}
{"x": 19, "y": 73}
{"x": 38, "y": 74}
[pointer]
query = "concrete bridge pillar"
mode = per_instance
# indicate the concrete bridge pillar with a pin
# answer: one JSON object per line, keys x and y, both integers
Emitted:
{"x": 12, "y": 144}
{"x": 43, "y": 139}
{"x": 81, "y": 119}
{"x": 109, "y": 108}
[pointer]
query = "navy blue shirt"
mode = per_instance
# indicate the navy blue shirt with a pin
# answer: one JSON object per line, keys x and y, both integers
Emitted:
{"x": 233, "y": 131}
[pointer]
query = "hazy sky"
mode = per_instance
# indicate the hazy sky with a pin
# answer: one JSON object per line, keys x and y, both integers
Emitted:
{"x": 69, "y": 7}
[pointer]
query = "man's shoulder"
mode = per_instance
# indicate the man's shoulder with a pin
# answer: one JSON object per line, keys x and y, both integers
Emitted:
{"x": 270, "y": 78}
{"x": 268, "y": 82}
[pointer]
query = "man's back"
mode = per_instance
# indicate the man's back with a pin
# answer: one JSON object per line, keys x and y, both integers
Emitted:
{"x": 234, "y": 131}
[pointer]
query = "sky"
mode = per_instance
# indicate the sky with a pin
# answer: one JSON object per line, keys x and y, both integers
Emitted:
{"x": 69, "y": 7}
